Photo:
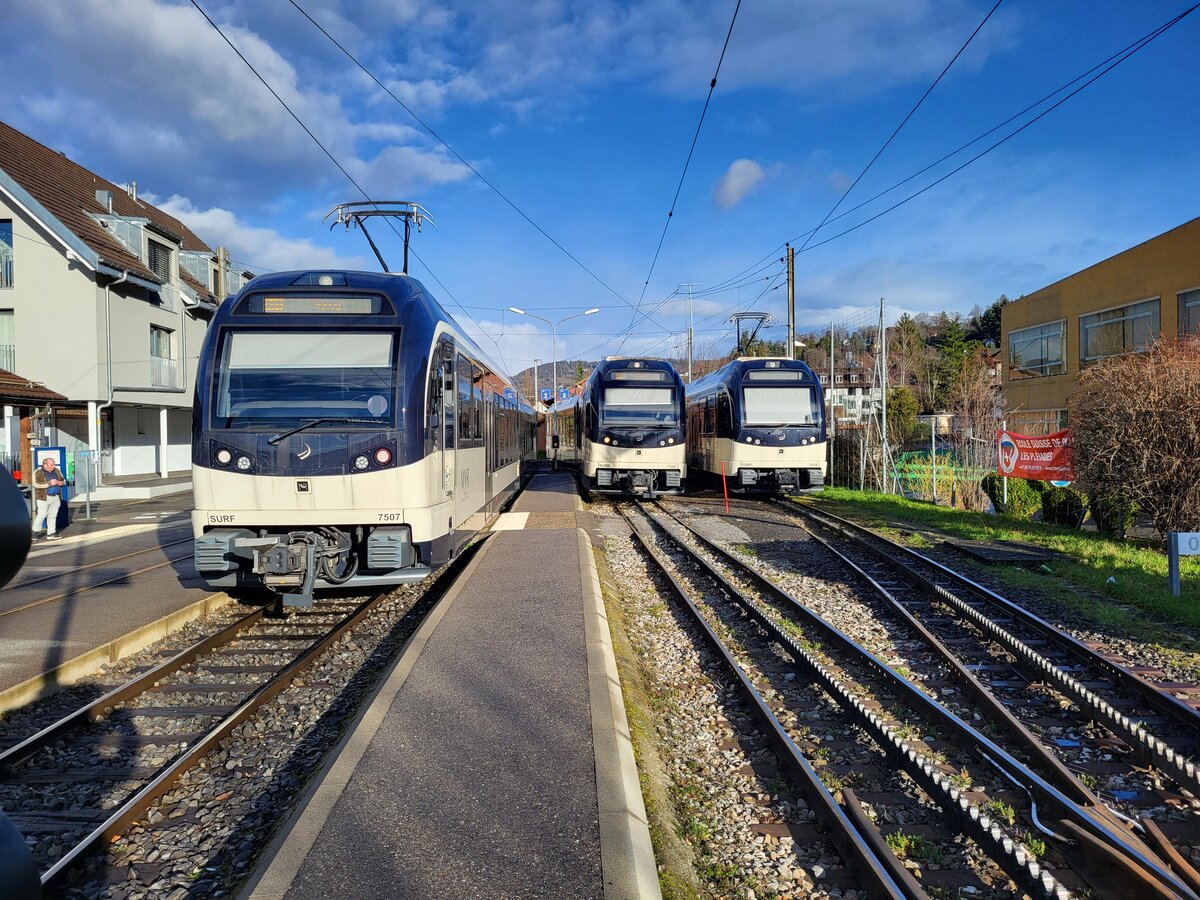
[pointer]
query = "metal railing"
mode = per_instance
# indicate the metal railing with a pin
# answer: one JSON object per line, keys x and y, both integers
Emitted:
{"x": 163, "y": 372}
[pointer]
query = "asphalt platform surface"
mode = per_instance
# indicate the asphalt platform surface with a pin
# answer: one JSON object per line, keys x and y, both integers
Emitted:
{"x": 481, "y": 778}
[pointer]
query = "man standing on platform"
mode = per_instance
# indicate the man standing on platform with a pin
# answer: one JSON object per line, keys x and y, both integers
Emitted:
{"x": 48, "y": 482}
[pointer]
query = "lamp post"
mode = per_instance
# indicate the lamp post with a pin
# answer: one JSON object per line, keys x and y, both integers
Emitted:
{"x": 537, "y": 384}
{"x": 554, "y": 353}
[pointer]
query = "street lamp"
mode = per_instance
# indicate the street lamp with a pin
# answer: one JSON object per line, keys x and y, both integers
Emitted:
{"x": 554, "y": 351}
{"x": 537, "y": 384}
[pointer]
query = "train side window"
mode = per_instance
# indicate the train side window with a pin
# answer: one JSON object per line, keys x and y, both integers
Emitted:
{"x": 477, "y": 403}
{"x": 466, "y": 431}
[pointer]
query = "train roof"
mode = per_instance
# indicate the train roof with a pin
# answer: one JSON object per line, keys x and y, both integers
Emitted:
{"x": 620, "y": 363}
{"x": 732, "y": 373}
{"x": 407, "y": 293}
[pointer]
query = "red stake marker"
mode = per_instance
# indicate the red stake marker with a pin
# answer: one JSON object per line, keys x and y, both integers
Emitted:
{"x": 725, "y": 485}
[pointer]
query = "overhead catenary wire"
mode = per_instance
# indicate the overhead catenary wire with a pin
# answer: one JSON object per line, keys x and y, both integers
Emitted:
{"x": 1134, "y": 48}
{"x": 332, "y": 159}
{"x": 460, "y": 157}
{"x": 904, "y": 121}
{"x": 712, "y": 86}
{"x": 769, "y": 259}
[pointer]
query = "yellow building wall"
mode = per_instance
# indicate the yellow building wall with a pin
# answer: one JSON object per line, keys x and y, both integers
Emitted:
{"x": 1162, "y": 267}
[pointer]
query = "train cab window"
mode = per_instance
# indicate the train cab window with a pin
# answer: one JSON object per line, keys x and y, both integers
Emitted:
{"x": 285, "y": 379}
{"x": 780, "y": 406}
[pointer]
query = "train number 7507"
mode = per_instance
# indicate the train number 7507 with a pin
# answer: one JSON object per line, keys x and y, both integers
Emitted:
{"x": 390, "y": 517}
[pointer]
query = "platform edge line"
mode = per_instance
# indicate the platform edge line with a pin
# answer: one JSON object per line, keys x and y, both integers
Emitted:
{"x": 291, "y": 845}
{"x": 627, "y": 858}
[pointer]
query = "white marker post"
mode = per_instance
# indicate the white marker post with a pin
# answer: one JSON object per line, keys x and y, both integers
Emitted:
{"x": 1180, "y": 543}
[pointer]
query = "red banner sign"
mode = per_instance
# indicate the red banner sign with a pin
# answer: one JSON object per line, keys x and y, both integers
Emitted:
{"x": 1045, "y": 457}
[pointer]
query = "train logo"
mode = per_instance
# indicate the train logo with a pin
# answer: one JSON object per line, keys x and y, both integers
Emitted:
{"x": 305, "y": 453}
{"x": 1009, "y": 453}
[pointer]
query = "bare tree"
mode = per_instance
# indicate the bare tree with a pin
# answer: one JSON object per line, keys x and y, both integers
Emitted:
{"x": 1136, "y": 431}
{"x": 976, "y": 410}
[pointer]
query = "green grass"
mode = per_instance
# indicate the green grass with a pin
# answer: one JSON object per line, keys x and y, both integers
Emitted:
{"x": 1090, "y": 559}
{"x": 912, "y": 846}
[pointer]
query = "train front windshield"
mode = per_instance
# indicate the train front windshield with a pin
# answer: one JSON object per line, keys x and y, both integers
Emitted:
{"x": 638, "y": 406}
{"x": 280, "y": 380}
{"x": 780, "y": 406}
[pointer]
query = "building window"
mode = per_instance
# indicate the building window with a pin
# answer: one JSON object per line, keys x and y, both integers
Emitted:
{"x": 162, "y": 361}
{"x": 837, "y": 379}
{"x": 159, "y": 258}
{"x": 824, "y": 379}
{"x": 1189, "y": 313}
{"x": 6, "y": 253}
{"x": 853, "y": 378}
{"x": 1121, "y": 330}
{"x": 8, "y": 340}
{"x": 1037, "y": 422}
{"x": 1037, "y": 351}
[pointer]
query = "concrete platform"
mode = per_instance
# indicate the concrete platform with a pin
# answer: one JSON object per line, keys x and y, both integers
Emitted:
{"x": 494, "y": 760}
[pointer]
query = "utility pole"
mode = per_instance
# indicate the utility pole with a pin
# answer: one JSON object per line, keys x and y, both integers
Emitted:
{"x": 689, "y": 285}
{"x": 887, "y": 447}
{"x": 791, "y": 277}
{"x": 831, "y": 425}
{"x": 222, "y": 268}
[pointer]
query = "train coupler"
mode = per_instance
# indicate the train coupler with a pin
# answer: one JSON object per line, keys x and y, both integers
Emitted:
{"x": 288, "y": 565}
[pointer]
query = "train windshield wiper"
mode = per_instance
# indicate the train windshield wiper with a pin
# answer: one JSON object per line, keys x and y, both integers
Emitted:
{"x": 314, "y": 422}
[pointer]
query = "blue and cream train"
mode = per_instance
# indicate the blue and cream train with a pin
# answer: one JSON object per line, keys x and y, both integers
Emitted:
{"x": 626, "y": 429}
{"x": 345, "y": 431}
{"x": 759, "y": 425}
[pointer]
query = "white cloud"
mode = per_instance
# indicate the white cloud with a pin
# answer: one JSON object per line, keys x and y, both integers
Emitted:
{"x": 262, "y": 248}
{"x": 742, "y": 177}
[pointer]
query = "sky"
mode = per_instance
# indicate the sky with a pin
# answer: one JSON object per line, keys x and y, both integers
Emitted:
{"x": 562, "y": 130}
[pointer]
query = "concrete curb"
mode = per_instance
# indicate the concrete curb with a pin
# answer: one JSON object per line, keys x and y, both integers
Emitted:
{"x": 281, "y": 861}
{"x": 626, "y": 852}
{"x": 78, "y": 668}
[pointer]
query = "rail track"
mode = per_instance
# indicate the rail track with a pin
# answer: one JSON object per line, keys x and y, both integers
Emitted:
{"x": 134, "y": 743}
{"x": 956, "y": 780}
{"x": 1058, "y": 686}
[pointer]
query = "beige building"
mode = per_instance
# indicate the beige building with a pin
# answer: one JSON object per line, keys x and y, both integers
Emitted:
{"x": 104, "y": 299}
{"x": 1120, "y": 305}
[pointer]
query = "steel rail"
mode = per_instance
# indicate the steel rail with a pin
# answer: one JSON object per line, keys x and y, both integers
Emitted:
{"x": 165, "y": 778}
{"x": 137, "y": 804}
{"x": 881, "y": 872}
{"x": 1129, "y": 867}
{"x": 1149, "y": 748}
{"x": 967, "y": 817}
{"x": 95, "y": 711}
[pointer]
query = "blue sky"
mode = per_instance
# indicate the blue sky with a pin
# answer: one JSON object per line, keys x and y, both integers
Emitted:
{"x": 582, "y": 114}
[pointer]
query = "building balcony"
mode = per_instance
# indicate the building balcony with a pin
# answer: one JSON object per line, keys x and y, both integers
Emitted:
{"x": 8, "y": 357}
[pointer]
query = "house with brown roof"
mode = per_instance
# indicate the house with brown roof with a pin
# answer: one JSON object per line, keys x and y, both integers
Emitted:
{"x": 104, "y": 300}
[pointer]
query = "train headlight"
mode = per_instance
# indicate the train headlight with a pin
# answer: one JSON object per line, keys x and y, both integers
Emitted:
{"x": 662, "y": 443}
{"x": 383, "y": 456}
{"x": 758, "y": 440}
{"x": 243, "y": 463}
{"x": 607, "y": 439}
{"x": 361, "y": 462}
{"x": 223, "y": 457}
{"x": 670, "y": 440}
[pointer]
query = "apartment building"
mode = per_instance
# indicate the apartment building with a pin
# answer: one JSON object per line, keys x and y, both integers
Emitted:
{"x": 1120, "y": 305}
{"x": 104, "y": 300}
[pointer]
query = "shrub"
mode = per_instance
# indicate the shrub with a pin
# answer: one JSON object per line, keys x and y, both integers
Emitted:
{"x": 1136, "y": 433}
{"x": 1062, "y": 506}
{"x": 1113, "y": 514}
{"x": 1024, "y": 497}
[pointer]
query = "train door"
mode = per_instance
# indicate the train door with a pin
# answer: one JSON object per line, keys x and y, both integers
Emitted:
{"x": 449, "y": 416}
